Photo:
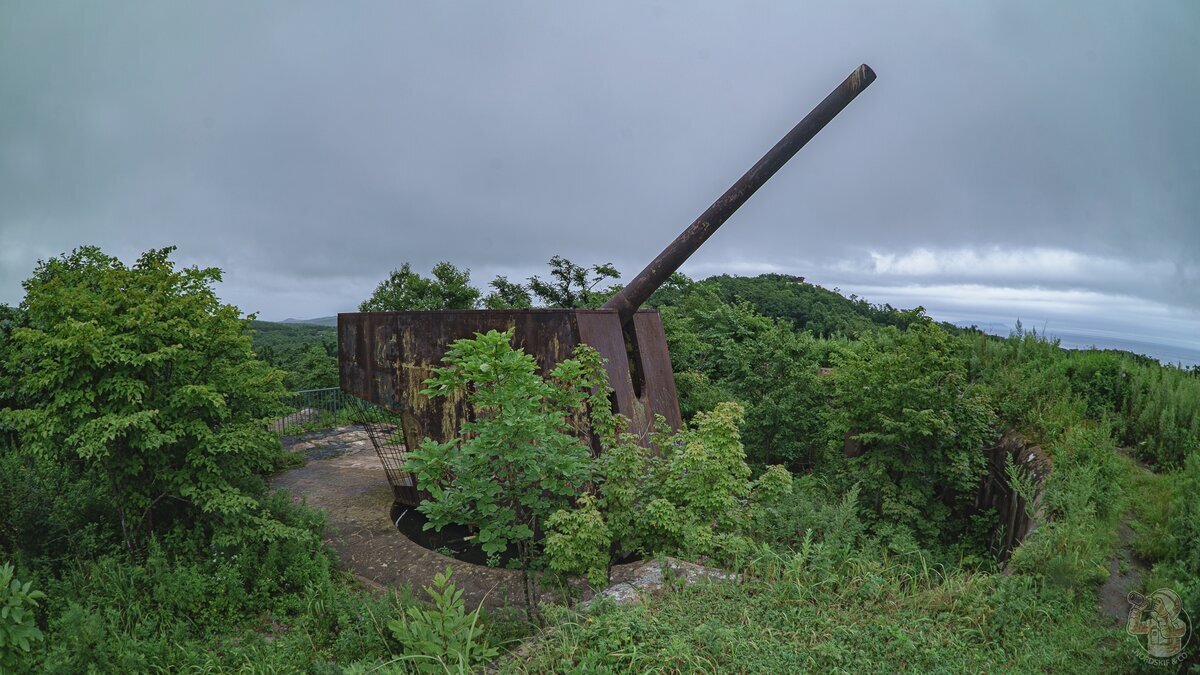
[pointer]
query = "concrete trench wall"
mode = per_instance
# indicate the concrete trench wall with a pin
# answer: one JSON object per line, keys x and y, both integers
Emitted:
{"x": 1017, "y": 518}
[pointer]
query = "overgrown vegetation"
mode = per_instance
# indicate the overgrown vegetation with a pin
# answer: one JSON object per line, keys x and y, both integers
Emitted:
{"x": 832, "y": 458}
{"x": 134, "y": 443}
{"x": 306, "y": 353}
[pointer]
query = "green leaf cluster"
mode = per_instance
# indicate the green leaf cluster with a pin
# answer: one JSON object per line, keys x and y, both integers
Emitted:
{"x": 728, "y": 352}
{"x": 443, "y": 637}
{"x": 18, "y": 627}
{"x": 405, "y": 290}
{"x": 139, "y": 378}
{"x": 905, "y": 396}
{"x": 523, "y": 456}
{"x": 688, "y": 494}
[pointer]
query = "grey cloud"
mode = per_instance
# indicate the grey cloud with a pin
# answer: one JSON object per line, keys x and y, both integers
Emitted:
{"x": 309, "y": 148}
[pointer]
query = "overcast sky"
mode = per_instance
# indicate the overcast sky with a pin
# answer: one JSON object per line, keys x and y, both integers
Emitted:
{"x": 1014, "y": 159}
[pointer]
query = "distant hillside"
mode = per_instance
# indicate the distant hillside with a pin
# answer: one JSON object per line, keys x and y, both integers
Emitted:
{"x": 306, "y": 351}
{"x": 319, "y": 321}
{"x": 807, "y": 306}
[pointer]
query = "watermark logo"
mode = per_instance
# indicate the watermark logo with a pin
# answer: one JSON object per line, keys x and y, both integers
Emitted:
{"x": 1159, "y": 617}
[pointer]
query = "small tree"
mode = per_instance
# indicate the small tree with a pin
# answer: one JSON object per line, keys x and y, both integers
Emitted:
{"x": 572, "y": 285}
{"x": 523, "y": 457}
{"x": 142, "y": 379}
{"x": 507, "y": 295}
{"x": 405, "y": 290}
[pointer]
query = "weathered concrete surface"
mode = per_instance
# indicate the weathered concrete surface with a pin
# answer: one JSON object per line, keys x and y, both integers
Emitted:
{"x": 1016, "y": 517}
{"x": 348, "y": 483}
{"x": 345, "y": 479}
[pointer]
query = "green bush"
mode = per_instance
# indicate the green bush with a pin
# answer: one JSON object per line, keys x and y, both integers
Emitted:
{"x": 724, "y": 352}
{"x": 690, "y": 494}
{"x": 18, "y": 626}
{"x": 444, "y": 637}
{"x": 523, "y": 457}
{"x": 49, "y": 513}
{"x": 142, "y": 379}
{"x": 1101, "y": 379}
{"x": 906, "y": 398}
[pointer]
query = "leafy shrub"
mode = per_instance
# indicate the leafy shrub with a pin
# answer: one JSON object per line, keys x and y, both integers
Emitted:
{"x": 689, "y": 494}
{"x": 906, "y": 398}
{"x": 48, "y": 513}
{"x": 724, "y": 352}
{"x": 1101, "y": 379}
{"x": 812, "y": 511}
{"x": 18, "y": 627}
{"x": 144, "y": 380}
{"x": 443, "y": 637}
{"x": 523, "y": 456}
{"x": 578, "y": 542}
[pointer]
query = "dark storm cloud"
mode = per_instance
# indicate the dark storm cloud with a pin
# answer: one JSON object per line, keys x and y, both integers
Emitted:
{"x": 309, "y": 148}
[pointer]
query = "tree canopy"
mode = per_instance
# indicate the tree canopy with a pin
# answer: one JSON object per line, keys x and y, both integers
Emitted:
{"x": 140, "y": 377}
{"x": 405, "y": 290}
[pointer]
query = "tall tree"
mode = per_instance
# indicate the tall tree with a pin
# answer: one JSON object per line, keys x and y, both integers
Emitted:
{"x": 572, "y": 285}
{"x": 405, "y": 290}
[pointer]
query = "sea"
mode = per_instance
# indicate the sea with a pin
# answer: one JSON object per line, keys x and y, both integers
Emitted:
{"x": 1166, "y": 351}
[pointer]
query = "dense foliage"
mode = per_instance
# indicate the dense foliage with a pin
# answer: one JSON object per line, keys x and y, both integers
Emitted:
{"x": 832, "y": 458}
{"x": 728, "y": 352}
{"x": 522, "y": 456}
{"x": 133, "y": 447}
{"x": 687, "y": 494}
{"x": 516, "y": 469}
{"x": 139, "y": 379}
{"x": 306, "y": 353}
{"x": 405, "y": 290}
{"x": 920, "y": 425}
{"x": 18, "y": 627}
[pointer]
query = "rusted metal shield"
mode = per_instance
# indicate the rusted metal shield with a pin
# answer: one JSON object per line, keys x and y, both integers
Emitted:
{"x": 387, "y": 356}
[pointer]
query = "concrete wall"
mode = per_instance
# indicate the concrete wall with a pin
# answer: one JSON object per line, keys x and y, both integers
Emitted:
{"x": 1017, "y": 518}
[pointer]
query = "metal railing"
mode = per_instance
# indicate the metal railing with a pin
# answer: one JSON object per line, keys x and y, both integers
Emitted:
{"x": 315, "y": 409}
{"x": 320, "y": 409}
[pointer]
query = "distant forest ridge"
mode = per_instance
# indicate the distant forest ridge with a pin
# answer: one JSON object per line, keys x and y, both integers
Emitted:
{"x": 319, "y": 321}
{"x": 808, "y": 306}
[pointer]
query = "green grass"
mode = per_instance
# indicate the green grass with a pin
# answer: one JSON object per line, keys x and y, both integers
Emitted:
{"x": 864, "y": 613}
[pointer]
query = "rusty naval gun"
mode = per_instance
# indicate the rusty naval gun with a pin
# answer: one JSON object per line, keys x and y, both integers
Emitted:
{"x": 384, "y": 357}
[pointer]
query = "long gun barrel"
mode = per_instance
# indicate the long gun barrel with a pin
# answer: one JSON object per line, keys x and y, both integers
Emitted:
{"x": 648, "y": 280}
